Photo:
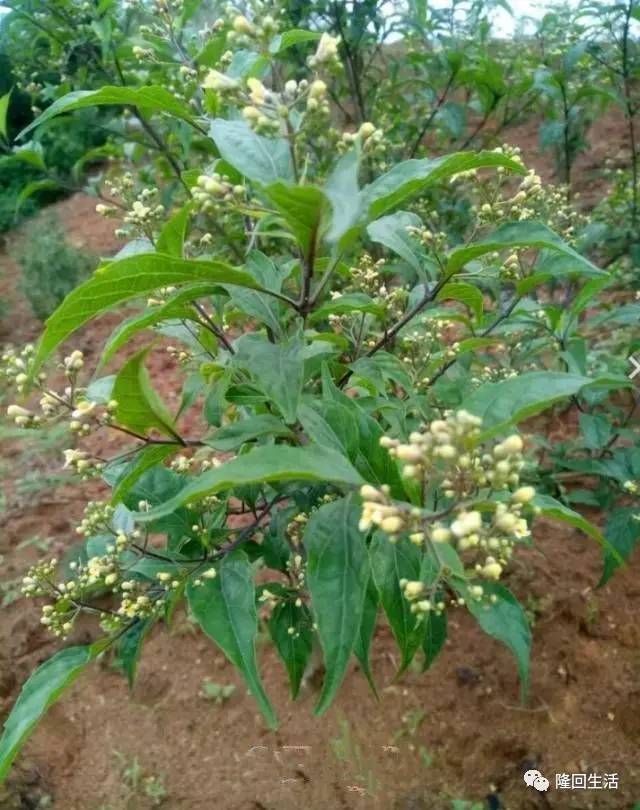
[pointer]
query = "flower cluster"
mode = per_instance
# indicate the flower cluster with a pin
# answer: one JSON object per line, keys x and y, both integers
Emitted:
{"x": 449, "y": 455}
{"x": 144, "y": 211}
{"x": 368, "y": 137}
{"x": 212, "y": 190}
{"x": 82, "y": 463}
{"x": 97, "y": 518}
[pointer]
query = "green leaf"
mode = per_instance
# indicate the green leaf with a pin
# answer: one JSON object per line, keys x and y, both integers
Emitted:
{"x": 622, "y": 532}
{"x": 139, "y": 407}
{"x": 391, "y": 562}
{"x": 122, "y": 280}
{"x": 391, "y": 231}
{"x": 504, "y": 620}
{"x": 467, "y": 294}
{"x": 551, "y": 508}
{"x": 596, "y": 429}
{"x": 277, "y": 369}
{"x": 304, "y": 209}
{"x": 225, "y": 609}
{"x": 294, "y": 649}
{"x": 146, "y": 458}
{"x": 259, "y": 306}
{"x": 33, "y": 188}
{"x": 406, "y": 178}
{"x": 337, "y": 576}
{"x": 233, "y": 435}
{"x": 260, "y": 466}
{"x": 129, "y": 648}
{"x": 263, "y": 160}
{"x": 434, "y": 637}
{"x": 507, "y": 402}
{"x": 4, "y": 109}
{"x": 345, "y": 305}
{"x": 380, "y": 369}
{"x": 287, "y": 39}
{"x": 173, "y": 308}
{"x": 330, "y": 424}
{"x": 150, "y": 99}
{"x": 362, "y": 644}
{"x": 32, "y": 157}
{"x": 528, "y": 234}
{"x": 41, "y": 690}
{"x": 174, "y": 232}
{"x": 343, "y": 192}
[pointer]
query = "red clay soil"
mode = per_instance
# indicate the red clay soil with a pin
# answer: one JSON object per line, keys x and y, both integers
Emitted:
{"x": 457, "y": 731}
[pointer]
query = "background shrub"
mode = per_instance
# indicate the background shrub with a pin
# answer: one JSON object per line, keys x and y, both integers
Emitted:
{"x": 51, "y": 267}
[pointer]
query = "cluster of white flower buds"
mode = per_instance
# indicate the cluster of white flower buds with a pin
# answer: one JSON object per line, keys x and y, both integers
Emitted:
{"x": 82, "y": 463}
{"x": 414, "y": 591}
{"x": 326, "y": 56}
{"x": 181, "y": 356}
{"x": 143, "y": 211}
{"x": 449, "y": 456}
{"x": 212, "y": 190}
{"x": 96, "y": 519}
{"x": 370, "y": 139}
{"x": 15, "y": 366}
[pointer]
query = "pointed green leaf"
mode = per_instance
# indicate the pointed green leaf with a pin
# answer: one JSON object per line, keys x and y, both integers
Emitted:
{"x": 173, "y": 308}
{"x": 287, "y": 39}
{"x": 550, "y": 507}
{"x": 124, "y": 279}
{"x": 41, "y": 690}
{"x": 174, "y": 232}
{"x": 434, "y": 637}
{"x": 234, "y": 434}
{"x": 260, "y": 466}
{"x": 129, "y": 648}
{"x": 623, "y": 533}
{"x": 225, "y": 609}
{"x": 343, "y": 192}
{"x": 139, "y": 407}
{"x": 148, "y": 98}
{"x": 294, "y": 648}
{"x": 146, "y": 458}
{"x": 391, "y": 231}
{"x": 507, "y": 402}
{"x": 362, "y": 645}
{"x": 263, "y": 160}
{"x": 277, "y": 369}
{"x": 4, "y": 109}
{"x": 528, "y": 234}
{"x": 346, "y": 305}
{"x": 33, "y": 188}
{"x": 504, "y": 620}
{"x": 391, "y": 562}
{"x": 466, "y": 294}
{"x": 337, "y": 576}
{"x": 304, "y": 209}
{"x": 404, "y": 179}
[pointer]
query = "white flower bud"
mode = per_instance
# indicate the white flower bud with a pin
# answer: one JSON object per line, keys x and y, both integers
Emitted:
{"x": 524, "y": 495}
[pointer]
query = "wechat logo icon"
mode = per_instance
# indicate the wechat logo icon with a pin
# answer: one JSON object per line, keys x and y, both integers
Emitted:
{"x": 536, "y": 780}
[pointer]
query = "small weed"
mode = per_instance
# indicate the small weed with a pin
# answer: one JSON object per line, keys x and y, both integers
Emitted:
{"x": 217, "y": 692}
{"x": 349, "y": 752}
{"x": 137, "y": 784}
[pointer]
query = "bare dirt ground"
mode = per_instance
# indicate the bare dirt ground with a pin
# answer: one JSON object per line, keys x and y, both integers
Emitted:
{"x": 457, "y": 731}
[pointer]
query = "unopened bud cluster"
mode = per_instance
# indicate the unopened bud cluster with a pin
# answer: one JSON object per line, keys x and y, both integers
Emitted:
{"x": 211, "y": 191}
{"x": 448, "y": 455}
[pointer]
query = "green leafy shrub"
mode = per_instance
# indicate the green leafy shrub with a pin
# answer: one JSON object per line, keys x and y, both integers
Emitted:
{"x": 362, "y": 337}
{"x": 12, "y": 180}
{"x": 50, "y": 266}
